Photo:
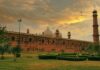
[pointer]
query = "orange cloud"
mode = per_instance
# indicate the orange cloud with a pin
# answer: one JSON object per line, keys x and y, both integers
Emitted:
{"x": 72, "y": 20}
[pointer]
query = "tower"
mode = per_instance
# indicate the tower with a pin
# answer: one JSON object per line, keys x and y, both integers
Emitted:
{"x": 69, "y": 35}
{"x": 95, "y": 28}
{"x": 28, "y": 31}
{"x": 58, "y": 34}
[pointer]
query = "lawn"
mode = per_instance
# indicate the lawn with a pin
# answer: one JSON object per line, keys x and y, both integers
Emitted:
{"x": 31, "y": 62}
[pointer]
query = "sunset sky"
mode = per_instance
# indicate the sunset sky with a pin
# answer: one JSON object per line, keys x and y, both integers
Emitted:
{"x": 66, "y": 15}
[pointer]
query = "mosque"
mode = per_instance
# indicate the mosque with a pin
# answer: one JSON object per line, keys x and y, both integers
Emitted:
{"x": 52, "y": 42}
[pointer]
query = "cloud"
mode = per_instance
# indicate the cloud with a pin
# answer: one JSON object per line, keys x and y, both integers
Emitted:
{"x": 66, "y": 15}
{"x": 36, "y": 9}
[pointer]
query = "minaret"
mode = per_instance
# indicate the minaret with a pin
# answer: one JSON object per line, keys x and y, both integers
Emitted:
{"x": 95, "y": 28}
{"x": 57, "y": 33}
{"x": 28, "y": 31}
{"x": 69, "y": 35}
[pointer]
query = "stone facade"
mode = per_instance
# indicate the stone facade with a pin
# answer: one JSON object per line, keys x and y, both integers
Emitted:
{"x": 31, "y": 42}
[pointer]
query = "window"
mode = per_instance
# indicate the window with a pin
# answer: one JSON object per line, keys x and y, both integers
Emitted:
{"x": 42, "y": 41}
{"x": 13, "y": 38}
{"x": 53, "y": 42}
{"x": 30, "y": 39}
{"x": 63, "y": 42}
{"x": 62, "y": 50}
{"x": 22, "y": 39}
{"x": 53, "y": 50}
{"x": 28, "y": 49}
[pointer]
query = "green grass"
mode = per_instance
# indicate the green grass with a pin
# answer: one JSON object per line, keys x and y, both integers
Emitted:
{"x": 31, "y": 62}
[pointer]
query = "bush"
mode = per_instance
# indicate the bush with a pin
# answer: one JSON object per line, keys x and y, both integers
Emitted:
{"x": 48, "y": 56}
{"x": 94, "y": 58}
{"x": 68, "y": 54}
{"x": 72, "y": 58}
{"x": 18, "y": 55}
{"x": 16, "y": 51}
{"x": 86, "y": 56}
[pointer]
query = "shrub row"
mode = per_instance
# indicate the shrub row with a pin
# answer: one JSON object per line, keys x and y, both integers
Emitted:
{"x": 68, "y": 57}
{"x": 94, "y": 58}
{"x": 48, "y": 56}
{"x": 68, "y": 54}
{"x": 72, "y": 58}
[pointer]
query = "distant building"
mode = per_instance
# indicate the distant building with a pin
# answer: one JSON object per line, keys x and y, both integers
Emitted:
{"x": 36, "y": 43}
{"x": 49, "y": 41}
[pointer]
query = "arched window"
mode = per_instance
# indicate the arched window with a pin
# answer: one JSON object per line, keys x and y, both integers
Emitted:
{"x": 63, "y": 42}
{"x": 53, "y": 50}
{"x": 62, "y": 50}
{"x": 30, "y": 39}
{"x": 13, "y": 38}
{"x": 22, "y": 39}
{"x": 53, "y": 42}
{"x": 42, "y": 41}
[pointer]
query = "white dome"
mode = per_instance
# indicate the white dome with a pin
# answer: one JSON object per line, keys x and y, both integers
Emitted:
{"x": 48, "y": 33}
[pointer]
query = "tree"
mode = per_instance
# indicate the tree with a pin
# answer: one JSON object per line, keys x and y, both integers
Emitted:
{"x": 97, "y": 49}
{"x": 3, "y": 41}
{"x": 16, "y": 52}
{"x": 2, "y": 51}
{"x": 93, "y": 49}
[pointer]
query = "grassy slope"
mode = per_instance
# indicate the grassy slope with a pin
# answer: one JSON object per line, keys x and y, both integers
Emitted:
{"x": 30, "y": 62}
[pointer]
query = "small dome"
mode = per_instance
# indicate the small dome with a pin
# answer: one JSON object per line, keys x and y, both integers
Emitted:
{"x": 58, "y": 34}
{"x": 95, "y": 11}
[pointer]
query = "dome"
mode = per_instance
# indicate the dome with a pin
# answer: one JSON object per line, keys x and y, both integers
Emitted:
{"x": 48, "y": 33}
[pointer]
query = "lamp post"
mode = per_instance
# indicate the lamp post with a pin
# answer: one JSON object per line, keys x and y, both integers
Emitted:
{"x": 19, "y": 20}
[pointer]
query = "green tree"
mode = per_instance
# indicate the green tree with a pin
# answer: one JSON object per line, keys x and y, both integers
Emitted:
{"x": 16, "y": 52}
{"x": 93, "y": 49}
{"x": 97, "y": 49}
{"x": 3, "y": 41}
{"x": 2, "y": 51}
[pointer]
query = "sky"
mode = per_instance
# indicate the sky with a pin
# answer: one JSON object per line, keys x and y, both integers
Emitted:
{"x": 66, "y": 15}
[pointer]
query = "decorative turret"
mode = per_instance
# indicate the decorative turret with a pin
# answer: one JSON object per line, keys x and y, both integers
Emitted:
{"x": 95, "y": 28}
{"x": 69, "y": 35}
{"x": 28, "y": 31}
{"x": 58, "y": 34}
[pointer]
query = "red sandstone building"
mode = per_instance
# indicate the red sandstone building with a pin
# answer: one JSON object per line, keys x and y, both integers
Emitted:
{"x": 48, "y": 42}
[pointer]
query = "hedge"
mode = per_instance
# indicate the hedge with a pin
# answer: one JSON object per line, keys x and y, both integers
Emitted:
{"x": 94, "y": 58}
{"x": 68, "y": 54}
{"x": 69, "y": 57}
{"x": 86, "y": 56}
{"x": 18, "y": 55}
{"x": 48, "y": 56}
{"x": 72, "y": 58}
